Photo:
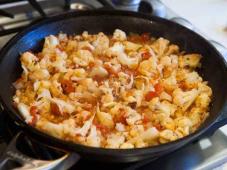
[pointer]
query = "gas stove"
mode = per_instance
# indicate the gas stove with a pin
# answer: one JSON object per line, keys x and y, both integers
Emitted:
{"x": 210, "y": 152}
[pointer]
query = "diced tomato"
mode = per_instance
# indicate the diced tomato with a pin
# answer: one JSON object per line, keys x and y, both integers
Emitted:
{"x": 120, "y": 117}
{"x": 158, "y": 126}
{"x": 33, "y": 110}
{"x": 158, "y": 88}
{"x": 34, "y": 120}
{"x": 55, "y": 109}
{"x": 182, "y": 85}
{"x": 146, "y": 55}
{"x": 145, "y": 119}
{"x": 150, "y": 95}
{"x": 145, "y": 37}
{"x": 104, "y": 130}
{"x": 67, "y": 86}
{"x": 91, "y": 64}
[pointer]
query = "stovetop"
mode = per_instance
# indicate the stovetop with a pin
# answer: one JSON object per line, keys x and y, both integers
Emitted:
{"x": 207, "y": 153}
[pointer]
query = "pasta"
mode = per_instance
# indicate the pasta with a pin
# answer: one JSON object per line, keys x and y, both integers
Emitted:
{"x": 112, "y": 91}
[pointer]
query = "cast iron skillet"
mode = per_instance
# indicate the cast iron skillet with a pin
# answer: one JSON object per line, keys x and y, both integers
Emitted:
{"x": 214, "y": 70}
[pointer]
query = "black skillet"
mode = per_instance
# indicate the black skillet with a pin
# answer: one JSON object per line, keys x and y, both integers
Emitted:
{"x": 214, "y": 70}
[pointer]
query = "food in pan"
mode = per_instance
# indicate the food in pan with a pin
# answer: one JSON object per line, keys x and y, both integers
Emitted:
{"x": 118, "y": 91}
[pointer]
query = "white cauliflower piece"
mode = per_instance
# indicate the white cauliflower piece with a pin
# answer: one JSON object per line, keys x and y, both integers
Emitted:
{"x": 132, "y": 96}
{"x": 85, "y": 45}
{"x": 83, "y": 57}
{"x": 148, "y": 67}
{"x": 195, "y": 116}
{"x": 43, "y": 93}
{"x": 101, "y": 44}
{"x": 39, "y": 74}
{"x": 203, "y": 88}
{"x": 168, "y": 135}
{"x": 93, "y": 138}
{"x": 118, "y": 50}
{"x": 162, "y": 107}
{"x": 160, "y": 46}
{"x": 63, "y": 105}
{"x": 130, "y": 46}
{"x": 167, "y": 108}
{"x": 184, "y": 99}
{"x": 69, "y": 127}
{"x": 60, "y": 61}
{"x": 51, "y": 41}
{"x": 119, "y": 35}
{"x": 203, "y": 100}
{"x": 183, "y": 122}
{"x": 28, "y": 60}
{"x": 105, "y": 119}
{"x": 165, "y": 96}
{"x": 56, "y": 130}
{"x": 115, "y": 140}
{"x": 71, "y": 46}
{"x": 120, "y": 127}
{"x": 107, "y": 99}
{"x": 169, "y": 61}
{"x": 192, "y": 79}
{"x": 170, "y": 83}
{"x": 191, "y": 60}
{"x": 127, "y": 145}
{"x": 149, "y": 134}
{"x": 132, "y": 116}
{"x": 127, "y": 61}
{"x": 24, "y": 110}
{"x": 85, "y": 128}
{"x": 98, "y": 71}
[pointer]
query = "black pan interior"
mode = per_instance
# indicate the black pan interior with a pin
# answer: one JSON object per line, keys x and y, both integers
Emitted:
{"x": 213, "y": 66}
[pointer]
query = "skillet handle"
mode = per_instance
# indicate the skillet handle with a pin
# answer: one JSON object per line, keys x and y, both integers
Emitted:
{"x": 27, "y": 163}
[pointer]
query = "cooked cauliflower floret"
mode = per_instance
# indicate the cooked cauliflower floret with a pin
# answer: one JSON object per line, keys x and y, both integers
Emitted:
{"x": 130, "y": 46}
{"x": 85, "y": 45}
{"x": 203, "y": 100}
{"x": 115, "y": 140}
{"x": 105, "y": 119}
{"x": 162, "y": 107}
{"x": 204, "y": 88}
{"x": 167, "y": 135}
{"x": 51, "y": 42}
{"x": 40, "y": 74}
{"x": 127, "y": 146}
{"x": 56, "y": 130}
{"x": 101, "y": 44}
{"x": 170, "y": 83}
{"x": 119, "y": 35}
{"x": 191, "y": 60}
{"x": 93, "y": 138}
{"x": 28, "y": 60}
{"x": 83, "y": 57}
{"x": 120, "y": 127}
{"x": 132, "y": 116}
{"x": 148, "y": 67}
{"x": 160, "y": 46}
{"x": 184, "y": 99}
{"x": 126, "y": 60}
{"x": 98, "y": 71}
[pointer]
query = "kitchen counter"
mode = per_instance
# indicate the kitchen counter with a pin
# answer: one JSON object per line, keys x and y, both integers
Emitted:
{"x": 209, "y": 16}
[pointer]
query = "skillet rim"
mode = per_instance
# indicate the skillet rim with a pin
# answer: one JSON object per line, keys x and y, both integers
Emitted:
{"x": 105, "y": 151}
